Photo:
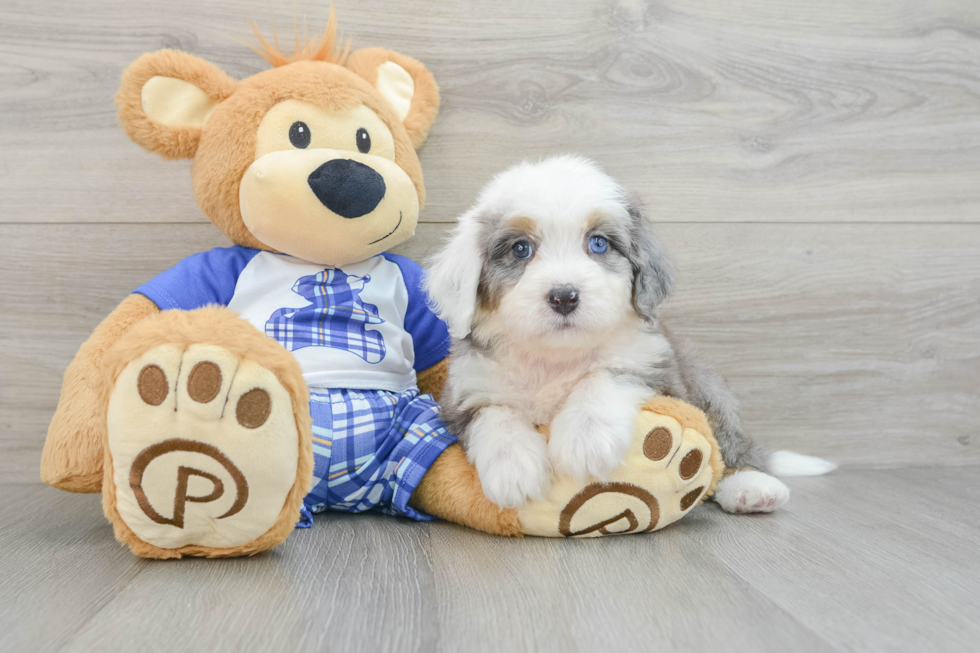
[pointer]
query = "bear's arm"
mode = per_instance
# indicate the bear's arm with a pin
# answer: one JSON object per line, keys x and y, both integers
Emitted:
{"x": 72, "y": 456}
{"x": 430, "y": 335}
{"x": 432, "y": 379}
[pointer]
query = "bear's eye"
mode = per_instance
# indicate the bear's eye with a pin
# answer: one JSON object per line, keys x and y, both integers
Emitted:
{"x": 363, "y": 141}
{"x": 299, "y": 135}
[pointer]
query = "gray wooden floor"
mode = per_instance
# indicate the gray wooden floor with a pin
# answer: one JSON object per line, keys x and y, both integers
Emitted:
{"x": 814, "y": 165}
{"x": 874, "y": 560}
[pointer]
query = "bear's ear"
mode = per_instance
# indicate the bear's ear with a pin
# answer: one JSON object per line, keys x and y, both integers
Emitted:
{"x": 164, "y": 99}
{"x": 405, "y": 83}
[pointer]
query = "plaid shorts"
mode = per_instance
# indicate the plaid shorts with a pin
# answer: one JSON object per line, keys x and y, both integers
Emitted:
{"x": 370, "y": 450}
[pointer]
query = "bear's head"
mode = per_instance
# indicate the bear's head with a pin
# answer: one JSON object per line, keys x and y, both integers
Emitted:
{"x": 314, "y": 158}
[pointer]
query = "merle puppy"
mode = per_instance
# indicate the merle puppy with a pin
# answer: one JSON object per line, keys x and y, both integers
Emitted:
{"x": 550, "y": 285}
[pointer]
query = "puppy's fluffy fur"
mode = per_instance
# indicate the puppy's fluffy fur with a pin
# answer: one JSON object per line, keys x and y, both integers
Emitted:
{"x": 550, "y": 327}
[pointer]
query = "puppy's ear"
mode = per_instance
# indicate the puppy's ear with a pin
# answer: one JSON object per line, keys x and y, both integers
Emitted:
{"x": 164, "y": 99}
{"x": 405, "y": 83}
{"x": 653, "y": 267}
{"x": 453, "y": 276}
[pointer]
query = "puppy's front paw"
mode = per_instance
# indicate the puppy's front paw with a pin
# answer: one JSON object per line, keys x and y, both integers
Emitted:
{"x": 510, "y": 457}
{"x": 585, "y": 443}
{"x": 510, "y": 478}
{"x": 751, "y": 491}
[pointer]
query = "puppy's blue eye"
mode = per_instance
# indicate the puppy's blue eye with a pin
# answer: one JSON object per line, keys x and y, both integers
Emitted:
{"x": 598, "y": 245}
{"x": 522, "y": 250}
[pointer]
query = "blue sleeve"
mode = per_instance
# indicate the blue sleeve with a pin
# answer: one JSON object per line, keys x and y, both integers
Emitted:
{"x": 200, "y": 279}
{"x": 429, "y": 333}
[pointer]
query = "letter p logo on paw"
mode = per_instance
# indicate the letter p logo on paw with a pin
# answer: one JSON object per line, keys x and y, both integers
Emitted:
{"x": 184, "y": 475}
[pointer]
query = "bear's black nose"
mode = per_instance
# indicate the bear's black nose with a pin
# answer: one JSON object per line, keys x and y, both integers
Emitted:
{"x": 348, "y": 188}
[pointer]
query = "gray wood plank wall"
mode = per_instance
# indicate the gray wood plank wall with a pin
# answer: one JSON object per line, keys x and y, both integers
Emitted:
{"x": 813, "y": 164}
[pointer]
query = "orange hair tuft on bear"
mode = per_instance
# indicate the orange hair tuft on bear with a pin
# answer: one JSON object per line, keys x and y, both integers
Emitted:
{"x": 324, "y": 49}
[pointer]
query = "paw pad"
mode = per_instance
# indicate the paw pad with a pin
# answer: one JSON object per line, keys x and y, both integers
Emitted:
{"x": 691, "y": 497}
{"x": 253, "y": 408}
{"x": 691, "y": 464}
{"x": 204, "y": 382}
{"x": 657, "y": 443}
{"x": 152, "y": 385}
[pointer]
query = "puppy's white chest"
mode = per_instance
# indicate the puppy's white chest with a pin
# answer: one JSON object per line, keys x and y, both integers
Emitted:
{"x": 539, "y": 391}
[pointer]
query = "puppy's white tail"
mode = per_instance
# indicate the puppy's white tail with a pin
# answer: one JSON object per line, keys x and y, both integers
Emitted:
{"x": 790, "y": 463}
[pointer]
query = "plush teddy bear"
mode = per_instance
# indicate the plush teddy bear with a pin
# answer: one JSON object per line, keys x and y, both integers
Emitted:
{"x": 247, "y": 387}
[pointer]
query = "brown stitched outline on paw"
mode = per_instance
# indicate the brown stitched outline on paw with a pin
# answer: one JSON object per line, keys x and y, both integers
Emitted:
{"x": 154, "y": 451}
{"x": 253, "y": 408}
{"x": 627, "y": 515}
{"x": 152, "y": 385}
{"x": 204, "y": 382}
{"x": 576, "y": 502}
{"x": 658, "y": 443}
{"x": 691, "y": 463}
{"x": 688, "y": 499}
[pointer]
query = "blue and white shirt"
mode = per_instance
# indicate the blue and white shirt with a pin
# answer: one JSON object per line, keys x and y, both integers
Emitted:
{"x": 363, "y": 326}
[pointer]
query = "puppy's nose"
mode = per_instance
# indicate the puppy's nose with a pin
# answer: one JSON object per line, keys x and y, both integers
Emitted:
{"x": 563, "y": 299}
{"x": 348, "y": 188}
